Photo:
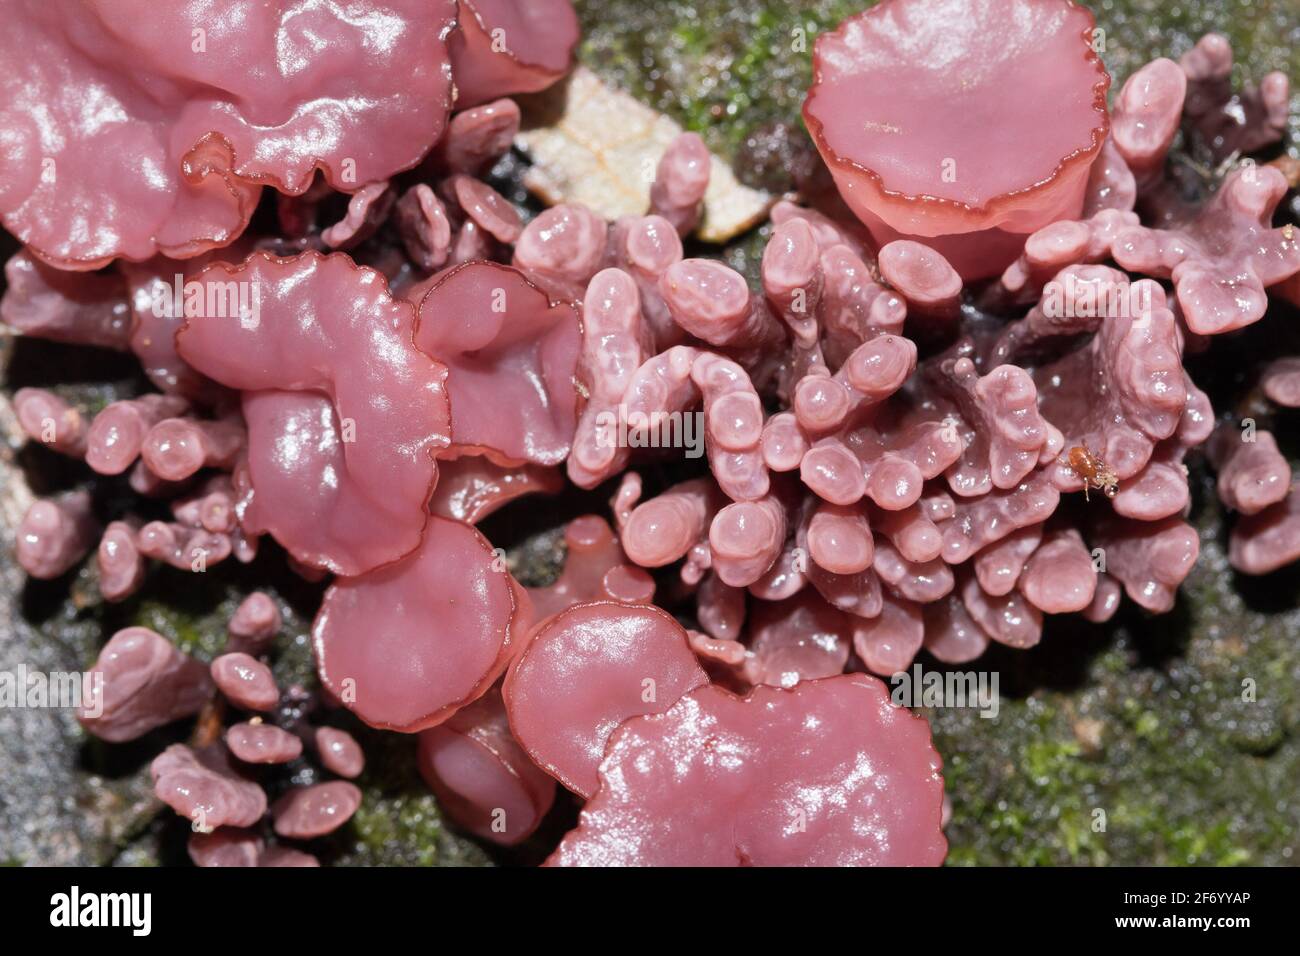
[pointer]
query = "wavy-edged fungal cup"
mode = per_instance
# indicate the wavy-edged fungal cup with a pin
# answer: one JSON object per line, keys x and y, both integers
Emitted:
{"x": 967, "y": 124}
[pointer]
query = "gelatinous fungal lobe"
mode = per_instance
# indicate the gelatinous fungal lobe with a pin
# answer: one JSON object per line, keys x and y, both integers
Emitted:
{"x": 666, "y": 527}
{"x": 367, "y": 209}
{"x": 481, "y": 776}
{"x": 828, "y": 773}
{"x": 176, "y": 448}
{"x": 366, "y": 105}
{"x": 1145, "y": 120}
{"x": 792, "y": 281}
{"x": 1280, "y": 381}
{"x": 501, "y": 47}
{"x": 202, "y": 787}
{"x": 1253, "y": 473}
{"x": 304, "y": 813}
{"x": 1004, "y": 434}
{"x": 1008, "y": 619}
{"x": 855, "y": 592}
{"x": 888, "y": 642}
{"x": 913, "y": 576}
{"x": 1062, "y": 244}
{"x": 786, "y": 576}
{"x": 227, "y": 847}
{"x": 48, "y": 419}
{"x": 344, "y": 413}
{"x": 681, "y": 179}
{"x": 1268, "y": 539}
{"x": 975, "y": 523}
{"x": 923, "y": 277}
{"x": 117, "y": 434}
{"x": 1111, "y": 184}
{"x": 854, "y": 306}
{"x": 909, "y": 109}
{"x": 562, "y": 249}
{"x": 1223, "y": 258}
{"x": 614, "y": 345}
{"x": 1060, "y": 576}
{"x": 1160, "y": 489}
{"x": 595, "y": 569}
{"x": 262, "y": 743}
{"x": 80, "y": 308}
{"x": 666, "y": 387}
{"x": 286, "y": 856}
{"x": 801, "y": 638}
{"x": 339, "y": 752}
{"x": 746, "y": 539}
{"x": 478, "y": 136}
{"x": 472, "y": 487}
{"x": 882, "y": 450}
{"x": 1149, "y": 558}
{"x": 254, "y": 625}
{"x": 245, "y": 681}
{"x": 585, "y": 671}
{"x": 712, "y": 302}
{"x": 733, "y": 426}
{"x": 56, "y": 533}
{"x": 1122, "y": 392}
{"x": 511, "y": 358}
{"x": 720, "y": 608}
{"x": 406, "y": 645}
{"x": 146, "y": 683}
{"x": 951, "y": 634}
{"x": 183, "y": 547}
{"x": 210, "y": 506}
{"x": 161, "y": 292}
{"x": 646, "y": 247}
{"x": 121, "y": 565}
{"x": 485, "y": 207}
{"x": 1225, "y": 121}
{"x": 424, "y": 227}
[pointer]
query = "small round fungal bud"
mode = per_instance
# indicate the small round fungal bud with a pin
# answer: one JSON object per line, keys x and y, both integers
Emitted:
{"x": 246, "y": 681}
{"x": 307, "y": 812}
{"x": 339, "y": 752}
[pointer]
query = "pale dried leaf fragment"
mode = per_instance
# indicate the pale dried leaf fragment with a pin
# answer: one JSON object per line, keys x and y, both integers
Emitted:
{"x": 602, "y": 151}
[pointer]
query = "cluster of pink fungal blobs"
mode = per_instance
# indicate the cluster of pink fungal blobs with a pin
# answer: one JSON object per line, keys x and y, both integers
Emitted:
{"x": 213, "y": 780}
{"x": 896, "y": 460}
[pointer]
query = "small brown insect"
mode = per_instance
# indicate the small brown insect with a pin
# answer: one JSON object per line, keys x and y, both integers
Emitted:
{"x": 1093, "y": 471}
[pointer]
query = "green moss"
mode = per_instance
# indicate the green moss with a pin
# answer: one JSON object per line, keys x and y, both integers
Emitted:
{"x": 399, "y": 823}
{"x": 723, "y": 68}
{"x": 719, "y": 68}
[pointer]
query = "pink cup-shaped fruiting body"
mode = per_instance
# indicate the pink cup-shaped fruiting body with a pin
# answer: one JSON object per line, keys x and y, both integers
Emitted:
{"x": 502, "y": 47}
{"x": 587, "y": 670}
{"x": 829, "y": 773}
{"x": 511, "y": 358}
{"x": 966, "y": 125}
{"x": 482, "y": 777}
{"x": 174, "y": 153}
{"x": 406, "y": 646}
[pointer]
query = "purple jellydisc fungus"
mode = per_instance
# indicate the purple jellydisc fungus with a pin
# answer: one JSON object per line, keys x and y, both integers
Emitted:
{"x": 953, "y": 400}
